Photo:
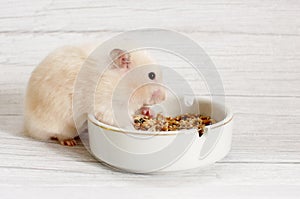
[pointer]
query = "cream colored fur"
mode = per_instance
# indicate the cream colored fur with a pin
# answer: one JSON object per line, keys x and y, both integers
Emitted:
{"x": 49, "y": 97}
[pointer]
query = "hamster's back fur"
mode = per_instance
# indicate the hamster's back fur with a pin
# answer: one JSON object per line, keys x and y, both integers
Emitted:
{"x": 73, "y": 81}
{"x": 49, "y": 93}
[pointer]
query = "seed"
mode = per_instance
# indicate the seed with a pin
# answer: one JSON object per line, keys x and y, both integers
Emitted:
{"x": 207, "y": 122}
{"x": 141, "y": 120}
{"x": 178, "y": 118}
{"x": 162, "y": 123}
{"x": 164, "y": 128}
{"x": 204, "y": 117}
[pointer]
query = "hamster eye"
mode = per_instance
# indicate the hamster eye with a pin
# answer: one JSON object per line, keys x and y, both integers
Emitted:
{"x": 151, "y": 75}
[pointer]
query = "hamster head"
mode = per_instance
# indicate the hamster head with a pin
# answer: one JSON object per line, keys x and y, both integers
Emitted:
{"x": 142, "y": 77}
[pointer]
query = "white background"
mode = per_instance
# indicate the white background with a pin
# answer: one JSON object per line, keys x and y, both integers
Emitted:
{"x": 255, "y": 45}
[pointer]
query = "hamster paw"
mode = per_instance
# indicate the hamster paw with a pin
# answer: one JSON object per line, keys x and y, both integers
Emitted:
{"x": 68, "y": 142}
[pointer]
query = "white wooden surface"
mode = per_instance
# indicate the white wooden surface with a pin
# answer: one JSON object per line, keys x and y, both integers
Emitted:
{"x": 255, "y": 46}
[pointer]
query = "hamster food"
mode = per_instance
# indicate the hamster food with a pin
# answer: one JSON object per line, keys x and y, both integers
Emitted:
{"x": 162, "y": 123}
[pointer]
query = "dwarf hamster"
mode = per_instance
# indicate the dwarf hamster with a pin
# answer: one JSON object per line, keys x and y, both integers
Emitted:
{"x": 49, "y": 96}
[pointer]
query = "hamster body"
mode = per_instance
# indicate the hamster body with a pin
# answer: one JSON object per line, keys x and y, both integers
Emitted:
{"x": 48, "y": 102}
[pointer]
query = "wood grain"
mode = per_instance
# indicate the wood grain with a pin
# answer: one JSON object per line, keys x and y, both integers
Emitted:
{"x": 255, "y": 45}
{"x": 266, "y": 18}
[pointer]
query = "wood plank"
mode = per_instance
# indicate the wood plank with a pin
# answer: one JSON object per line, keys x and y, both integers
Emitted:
{"x": 229, "y": 52}
{"x": 190, "y": 191}
{"x": 250, "y": 84}
{"x": 12, "y": 104}
{"x": 248, "y": 65}
{"x": 267, "y": 18}
{"x": 256, "y": 138}
{"x": 93, "y": 174}
{"x": 236, "y": 83}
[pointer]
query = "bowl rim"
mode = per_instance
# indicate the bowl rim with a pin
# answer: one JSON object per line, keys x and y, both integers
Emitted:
{"x": 228, "y": 118}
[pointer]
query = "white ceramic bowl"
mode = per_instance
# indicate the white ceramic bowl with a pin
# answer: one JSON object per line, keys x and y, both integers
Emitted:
{"x": 145, "y": 151}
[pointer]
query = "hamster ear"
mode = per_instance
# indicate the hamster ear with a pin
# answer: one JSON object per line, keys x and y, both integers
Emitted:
{"x": 121, "y": 58}
{"x": 115, "y": 53}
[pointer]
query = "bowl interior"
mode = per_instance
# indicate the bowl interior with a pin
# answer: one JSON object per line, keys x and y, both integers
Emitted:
{"x": 177, "y": 106}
